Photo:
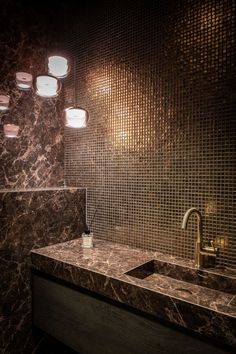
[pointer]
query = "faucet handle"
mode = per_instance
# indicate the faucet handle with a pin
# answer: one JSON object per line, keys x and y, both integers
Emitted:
{"x": 210, "y": 248}
{"x": 213, "y": 246}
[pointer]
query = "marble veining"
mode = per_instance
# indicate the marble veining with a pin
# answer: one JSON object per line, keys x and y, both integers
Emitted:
{"x": 209, "y": 311}
{"x": 29, "y": 220}
{"x": 36, "y": 157}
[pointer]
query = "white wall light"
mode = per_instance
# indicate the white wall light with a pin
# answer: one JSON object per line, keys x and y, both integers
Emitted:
{"x": 11, "y": 130}
{"x": 58, "y": 66}
{"x": 24, "y": 80}
{"x": 76, "y": 117}
{"x": 4, "y": 102}
{"x": 47, "y": 86}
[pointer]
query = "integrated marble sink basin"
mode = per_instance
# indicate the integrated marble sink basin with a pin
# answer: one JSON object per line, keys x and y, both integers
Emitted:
{"x": 211, "y": 280}
{"x": 168, "y": 288}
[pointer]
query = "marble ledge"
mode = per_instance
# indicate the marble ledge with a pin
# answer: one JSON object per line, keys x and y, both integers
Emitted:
{"x": 208, "y": 311}
{"x": 40, "y": 189}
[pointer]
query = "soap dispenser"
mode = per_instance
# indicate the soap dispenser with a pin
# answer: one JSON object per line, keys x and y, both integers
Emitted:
{"x": 87, "y": 239}
{"x": 87, "y": 235}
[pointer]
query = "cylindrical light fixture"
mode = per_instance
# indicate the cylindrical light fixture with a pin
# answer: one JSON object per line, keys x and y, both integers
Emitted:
{"x": 58, "y": 66}
{"x": 24, "y": 80}
{"x": 76, "y": 117}
{"x": 4, "y": 102}
{"x": 47, "y": 86}
{"x": 10, "y": 130}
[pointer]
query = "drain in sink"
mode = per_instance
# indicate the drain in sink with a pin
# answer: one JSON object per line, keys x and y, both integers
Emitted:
{"x": 187, "y": 291}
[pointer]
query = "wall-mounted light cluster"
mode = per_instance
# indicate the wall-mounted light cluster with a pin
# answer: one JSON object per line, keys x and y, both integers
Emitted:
{"x": 46, "y": 86}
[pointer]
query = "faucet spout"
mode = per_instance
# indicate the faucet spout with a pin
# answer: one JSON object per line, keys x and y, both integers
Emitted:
{"x": 201, "y": 251}
{"x": 188, "y": 213}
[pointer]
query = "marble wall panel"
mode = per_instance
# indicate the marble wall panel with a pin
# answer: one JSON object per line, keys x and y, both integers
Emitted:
{"x": 29, "y": 216}
{"x": 29, "y": 220}
{"x": 34, "y": 159}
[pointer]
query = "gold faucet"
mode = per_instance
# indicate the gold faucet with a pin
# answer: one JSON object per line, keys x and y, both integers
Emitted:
{"x": 201, "y": 250}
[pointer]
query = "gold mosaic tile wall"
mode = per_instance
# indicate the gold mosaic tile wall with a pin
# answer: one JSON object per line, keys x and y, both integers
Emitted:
{"x": 157, "y": 78}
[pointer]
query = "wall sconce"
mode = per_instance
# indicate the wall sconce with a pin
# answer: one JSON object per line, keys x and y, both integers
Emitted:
{"x": 58, "y": 66}
{"x": 76, "y": 117}
{"x": 47, "y": 86}
{"x": 4, "y": 102}
{"x": 24, "y": 80}
{"x": 10, "y": 130}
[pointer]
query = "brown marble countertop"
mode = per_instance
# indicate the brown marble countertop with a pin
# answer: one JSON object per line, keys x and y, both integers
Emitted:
{"x": 204, "y": 306}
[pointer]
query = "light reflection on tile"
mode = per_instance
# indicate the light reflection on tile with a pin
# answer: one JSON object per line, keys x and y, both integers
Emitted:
{"x": 162, "y": 134}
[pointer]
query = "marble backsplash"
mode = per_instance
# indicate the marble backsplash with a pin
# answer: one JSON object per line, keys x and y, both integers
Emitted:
{"x": 28, "y": 220}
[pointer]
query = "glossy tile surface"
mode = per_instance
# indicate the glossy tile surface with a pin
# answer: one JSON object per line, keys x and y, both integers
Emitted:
{"x": 158, "y": 80}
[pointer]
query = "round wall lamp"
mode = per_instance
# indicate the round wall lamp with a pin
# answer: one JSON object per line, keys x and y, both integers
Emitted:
{"x": 47, "y": 86}
{"x": 58, "y": 66}
{"x": 11, "y": 130}
{"x": 76, "y": 117}
{"x": 4, "y": 102}
{"x": 24, "y": 80}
